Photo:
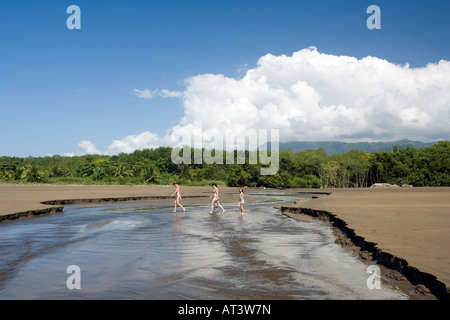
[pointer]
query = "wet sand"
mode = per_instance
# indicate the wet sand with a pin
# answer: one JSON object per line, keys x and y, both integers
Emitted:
{"x": 409, "y": 223}
{"x": 141, "y": 250}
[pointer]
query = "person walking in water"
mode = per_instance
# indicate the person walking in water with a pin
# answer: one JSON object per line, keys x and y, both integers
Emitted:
{"x": 241, "y": 201}
{"x": 215, "y": 200}
{"x": 178, "y": 197}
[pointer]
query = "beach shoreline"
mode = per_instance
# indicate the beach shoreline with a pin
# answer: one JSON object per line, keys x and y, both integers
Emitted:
{"x": 388, "y": 276}
{"x": 407, "y": 231}
{"x": 398, "y": 228}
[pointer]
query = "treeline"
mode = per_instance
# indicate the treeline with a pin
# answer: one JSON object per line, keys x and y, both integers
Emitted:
{"x": 428, "y": 166}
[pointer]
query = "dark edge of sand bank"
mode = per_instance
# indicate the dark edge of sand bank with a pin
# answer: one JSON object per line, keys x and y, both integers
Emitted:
{"x": 424, "y": 283}
{"x": 30, "y": 213}
{"x": 58, "y": 206}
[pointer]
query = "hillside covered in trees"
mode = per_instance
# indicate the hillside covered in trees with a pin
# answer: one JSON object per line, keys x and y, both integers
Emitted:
{"x": 428, "y": 166}
{"x": 332, "y": 147}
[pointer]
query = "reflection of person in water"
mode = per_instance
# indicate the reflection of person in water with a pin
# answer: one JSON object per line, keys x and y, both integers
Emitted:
{"x": 215, "y": 200}
{"x": 178, "y": 197}
{"x": 241, "y": 201}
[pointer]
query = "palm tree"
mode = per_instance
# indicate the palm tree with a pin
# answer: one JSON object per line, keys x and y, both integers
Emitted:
{"x": 119, "y": 170}
{"x": 151, "y": 175}
{"x": 98, "y": 174}
{"x": 32, "y": 173}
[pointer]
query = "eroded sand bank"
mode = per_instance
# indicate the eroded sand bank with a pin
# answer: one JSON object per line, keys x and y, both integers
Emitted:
{"x": 412, "y": 224}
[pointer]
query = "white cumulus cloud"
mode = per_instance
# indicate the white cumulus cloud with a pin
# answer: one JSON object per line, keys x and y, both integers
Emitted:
{"x": 311, "y": 96}
{"x": 316, "y": 96}
{"x": 88, "y": 147}
{"x": 145, "y": 140}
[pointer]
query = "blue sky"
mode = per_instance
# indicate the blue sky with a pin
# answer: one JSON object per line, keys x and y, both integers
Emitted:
{"x": 60, "y": 86}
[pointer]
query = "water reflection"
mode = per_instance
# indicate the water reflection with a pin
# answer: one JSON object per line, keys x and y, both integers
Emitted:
{"x": 140, "y": 251}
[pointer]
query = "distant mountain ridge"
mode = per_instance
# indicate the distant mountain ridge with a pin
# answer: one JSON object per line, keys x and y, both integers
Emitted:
{"x": 331, "y": 147}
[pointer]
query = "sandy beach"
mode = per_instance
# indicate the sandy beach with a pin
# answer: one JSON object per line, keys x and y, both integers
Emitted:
{"x": 410, "y": 223}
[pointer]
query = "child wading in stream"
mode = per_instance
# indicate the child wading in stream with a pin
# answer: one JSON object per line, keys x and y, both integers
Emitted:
{"x": 178, "y": 197}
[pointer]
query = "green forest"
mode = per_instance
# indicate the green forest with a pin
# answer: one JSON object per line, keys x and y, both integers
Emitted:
{"x": 428, "y": 166}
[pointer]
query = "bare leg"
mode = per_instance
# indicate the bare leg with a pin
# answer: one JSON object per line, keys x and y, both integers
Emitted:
{"x": 223, "y": 210}
{"x": 184, "y": 210}
{"x": 212, "y": 206}
{"x": 175, "y": 208}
